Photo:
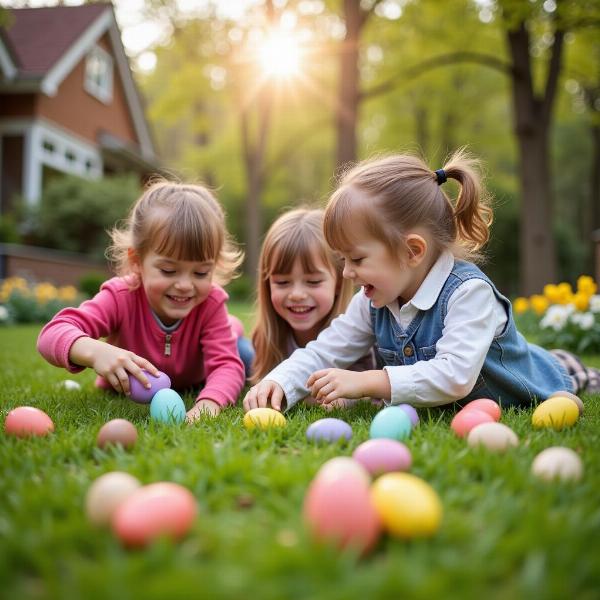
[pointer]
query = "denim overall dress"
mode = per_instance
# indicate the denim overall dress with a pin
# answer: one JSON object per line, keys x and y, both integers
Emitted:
{"x": 514, "y": 373}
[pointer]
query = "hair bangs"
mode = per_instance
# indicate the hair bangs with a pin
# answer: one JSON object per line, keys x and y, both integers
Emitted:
{"x": 289, "y": 248}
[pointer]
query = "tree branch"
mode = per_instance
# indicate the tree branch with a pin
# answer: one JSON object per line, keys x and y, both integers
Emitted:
{"x": 553, "y": 74}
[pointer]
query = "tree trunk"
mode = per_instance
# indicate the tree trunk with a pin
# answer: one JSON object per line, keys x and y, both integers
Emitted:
{"x": 532, "y": 116}
{"x": 595, "y": 195}
{"x": 348, "y": 89}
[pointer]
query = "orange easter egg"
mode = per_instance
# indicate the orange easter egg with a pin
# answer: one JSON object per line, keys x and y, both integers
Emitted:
{"x": 485, "y": 405}
{"x": 465, "y": 420}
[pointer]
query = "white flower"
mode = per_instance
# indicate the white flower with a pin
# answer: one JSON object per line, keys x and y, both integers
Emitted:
{"x": 3, "y": 313}
{"x": 586, "y": 320}
{"x": 595, "y": 303}
{"x": 556, "y": 317}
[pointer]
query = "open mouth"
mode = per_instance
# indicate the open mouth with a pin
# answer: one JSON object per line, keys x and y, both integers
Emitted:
{"x": 179, "y": 299}
{"x": 300, "y": 310}
{"x": 368, "y": 290}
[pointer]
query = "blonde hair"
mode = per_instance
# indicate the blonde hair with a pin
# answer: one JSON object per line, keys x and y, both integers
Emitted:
{"x": 295, "y": 235}
{"x": 391, "y": 196}
{"x": 181, "y": 221}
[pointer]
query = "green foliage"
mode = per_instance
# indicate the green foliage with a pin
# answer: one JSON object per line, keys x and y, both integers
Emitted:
{"x": 74, "y": 214}
{"x": 241, "y": 288}
{"x": 9, "y": 233}
{"x": 503, "y": 535}
{"x": 90, "y": 283}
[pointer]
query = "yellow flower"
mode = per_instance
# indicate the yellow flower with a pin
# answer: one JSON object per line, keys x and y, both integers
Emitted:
{"x": 565, "y": 293}
{"x": 539, "y": 303}
{"x": 45, "y": 292}
{"x": 13, "y": 284}
{"x": 551, "y": 292}
{"x": 586, "y": 285}
{"x": 581, "y": 301}
{"x": 520, "y": 305}
{"x": 67, "y": 293}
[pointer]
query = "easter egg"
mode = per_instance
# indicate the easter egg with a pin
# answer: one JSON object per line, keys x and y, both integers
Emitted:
{"x": 391, "y": 422}
{"x": 26, "y": 421}
{"x": 167, "y": 407}
{"x": 263, "y": 418}
{"x": 563, "y": 394}
{"x": 557, "y": 462}
{"x": 382, "y": 455}
{"x": 138, "y": 393}
{"x": 485, "y": 405}
{"x": 71, "y": 385}
{"x": 161, "y": 509}
{"x": 407, "y": 506}
{"x": 465, "y": 420}
{"x": 328, "y": 430}
{"x": 342, "y": 466}
{"x": 339, "y": 511}
{"x": 106, "y": 493}
{"x": 411, "y": 412}
{"x": 117, "y": 431}
{"x": 496, "y": 437}
{"x": 555, "y": 413}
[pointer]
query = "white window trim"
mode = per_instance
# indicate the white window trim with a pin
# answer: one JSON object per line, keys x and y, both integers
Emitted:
{"x": 102, "y": 93}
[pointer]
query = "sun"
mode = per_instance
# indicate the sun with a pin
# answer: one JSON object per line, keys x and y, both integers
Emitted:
{"x": 279, "y": 55}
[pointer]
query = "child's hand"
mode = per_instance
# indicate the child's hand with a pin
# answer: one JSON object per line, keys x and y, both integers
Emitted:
{"x": 259, "y": 395}
{"x": 111, "y": 362}
{"x": 203, "y": 408}
{"x": 342, "y": 403}
{"x": 329, "y": 385}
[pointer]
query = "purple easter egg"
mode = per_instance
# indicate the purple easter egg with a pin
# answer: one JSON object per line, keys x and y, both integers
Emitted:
{"x": 144, "y": 395}
{"x": 382, "y": 455}
{"x": 328, "y": 430}
{"x": 411, "y": 412}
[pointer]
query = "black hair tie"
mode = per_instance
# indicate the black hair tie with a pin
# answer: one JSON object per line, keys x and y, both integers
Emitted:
{"x": 440, "y": 176}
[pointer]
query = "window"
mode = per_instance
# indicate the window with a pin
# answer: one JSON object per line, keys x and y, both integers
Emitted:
{"x": 99, "y": 74}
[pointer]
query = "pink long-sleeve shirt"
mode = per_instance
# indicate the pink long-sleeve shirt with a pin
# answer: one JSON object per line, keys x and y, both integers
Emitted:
{"x": 202, "y": 351}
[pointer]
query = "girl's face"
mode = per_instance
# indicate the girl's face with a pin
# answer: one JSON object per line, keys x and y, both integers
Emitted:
{"x": 304, "y": 300}
{"x": 173, "y": 287}
{"x": 384, "y": 277}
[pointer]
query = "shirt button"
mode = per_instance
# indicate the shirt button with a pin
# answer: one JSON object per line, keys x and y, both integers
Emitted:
{"x": 408, "y": 351}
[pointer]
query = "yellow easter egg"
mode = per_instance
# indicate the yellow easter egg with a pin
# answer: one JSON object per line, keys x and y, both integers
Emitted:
{"x": 556, "y": 413}
{"x": 407, "y": 506}
{"x": 263, "y": 418}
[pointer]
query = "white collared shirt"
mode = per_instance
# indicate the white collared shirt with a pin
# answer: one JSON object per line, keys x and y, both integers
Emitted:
{"x": 473, "y": 319}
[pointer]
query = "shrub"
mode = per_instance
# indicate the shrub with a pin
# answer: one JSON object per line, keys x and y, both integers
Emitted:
{"x": 90, "y": 283}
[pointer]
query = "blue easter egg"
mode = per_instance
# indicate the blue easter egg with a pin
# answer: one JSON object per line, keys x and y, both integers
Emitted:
{"x": 167, "y": 407}
{"x": 391, "y": 422}
{"x": 328, "y": 430}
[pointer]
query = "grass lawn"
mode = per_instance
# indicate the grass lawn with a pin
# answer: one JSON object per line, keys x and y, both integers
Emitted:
{"x": 504, "y": 534}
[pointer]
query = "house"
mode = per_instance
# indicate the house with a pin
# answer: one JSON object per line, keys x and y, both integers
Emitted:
{"x": 68, "y": 101}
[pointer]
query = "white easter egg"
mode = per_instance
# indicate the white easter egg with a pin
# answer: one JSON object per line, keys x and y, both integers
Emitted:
{"x": 496, "y": 437}
{"x": 557, "y": 462}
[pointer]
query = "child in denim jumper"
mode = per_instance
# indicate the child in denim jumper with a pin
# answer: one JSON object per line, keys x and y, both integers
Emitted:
{"x": 443, "y": 331}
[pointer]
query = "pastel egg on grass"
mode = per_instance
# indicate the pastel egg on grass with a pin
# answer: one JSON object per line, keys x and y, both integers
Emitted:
{"x": 167, "y": 407}
{"x": 496, "y": 437}
{"x": 142, "y": 395}
{"x": 391, "y": 422}
{"x": 27, "y": 421}
{"x": 328, "y": 430}
{"x": 557, "y": 462}
{"x": 157, "y": 510}
{"x": 383, "y": 455}
{"x": 106, "y": 493}
{"x": 70, "y": 384}
{"x": 263, "y": 418}
{"x": 407, "y": 506}
{"x": 343, "y": 465}
{"x": 411, "y": 412}
{"x": 465, "y": 420}
{"x": 565, "y": 394}
{"x": 338, "y": 509}
{"x": 555, "y": 413}
{"x": 485, "y": 405}
{"x": 117, "y": 432}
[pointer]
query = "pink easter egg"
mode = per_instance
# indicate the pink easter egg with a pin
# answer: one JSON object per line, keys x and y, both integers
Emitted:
{"x": 485, "y": 405}
{"x": 465, "y": 420}
{"x": 117, "y": 431}
{"x": 382, "y": 455}
{"x": 26, "y": 421}
{"x": 155, "y": 510}
{"x": 138, "y": 393}
{"x": 340, "y": 511}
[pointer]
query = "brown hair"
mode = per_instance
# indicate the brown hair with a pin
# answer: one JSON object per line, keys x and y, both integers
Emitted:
{"x": 181, "y": 221}
{"x": 391, "y": 196}
{"x": 297, "y": 234}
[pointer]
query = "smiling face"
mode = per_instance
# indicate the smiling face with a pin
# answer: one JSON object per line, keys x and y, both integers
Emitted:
{"x": 173, "y": 287}
{"x": 385, "y": 278}
{"x": 304, "y": 300}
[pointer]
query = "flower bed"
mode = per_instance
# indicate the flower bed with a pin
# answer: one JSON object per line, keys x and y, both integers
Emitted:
{"x": 562, "y": 317}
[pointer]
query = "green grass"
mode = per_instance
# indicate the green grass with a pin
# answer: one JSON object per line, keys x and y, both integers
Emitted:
{"x": 504, "y": 534}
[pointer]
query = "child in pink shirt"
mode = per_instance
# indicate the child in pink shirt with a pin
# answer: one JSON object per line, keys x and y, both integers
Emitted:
{"x": 166, "y": 310}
